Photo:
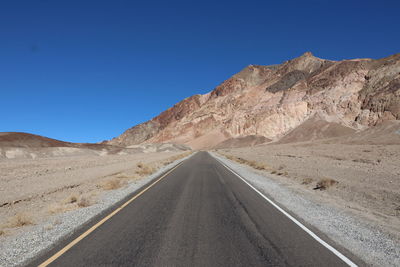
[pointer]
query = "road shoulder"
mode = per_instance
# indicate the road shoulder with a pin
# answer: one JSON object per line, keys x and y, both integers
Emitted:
{"x": 363, "y": 239}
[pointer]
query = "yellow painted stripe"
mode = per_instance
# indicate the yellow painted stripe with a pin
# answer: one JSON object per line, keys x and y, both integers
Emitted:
{"x": 94, "y": 227}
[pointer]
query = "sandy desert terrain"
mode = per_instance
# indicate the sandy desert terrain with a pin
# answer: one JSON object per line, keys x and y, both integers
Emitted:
{"x": 359, "y": 172}
{"x": 31, "y": 190}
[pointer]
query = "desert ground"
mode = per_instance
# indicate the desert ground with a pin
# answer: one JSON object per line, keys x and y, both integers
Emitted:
{"x": 359, "y": 173}
{"x": 34, "y": 189}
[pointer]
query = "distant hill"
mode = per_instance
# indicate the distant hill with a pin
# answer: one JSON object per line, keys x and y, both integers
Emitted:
{"x": 250, "y": 140}
{"x": 18, "y": 139}
{"x": 25, "y": 145}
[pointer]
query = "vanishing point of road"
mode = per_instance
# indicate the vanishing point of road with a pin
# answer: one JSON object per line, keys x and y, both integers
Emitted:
{"x": 199, "y": 214}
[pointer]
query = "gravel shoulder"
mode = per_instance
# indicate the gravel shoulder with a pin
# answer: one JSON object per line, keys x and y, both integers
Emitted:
{"x": 364, "y": 238}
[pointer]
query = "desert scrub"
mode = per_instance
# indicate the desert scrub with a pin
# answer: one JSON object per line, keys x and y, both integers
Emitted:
{"x": 122, "y": 175}
{"x": 256, "y": 165}
{"x": 84, "y": 202}
{"x": 307, "y": 181}
{"x": 71, "y": 199}
{"x": 129, "y": 175}
{"x": 112, "y": 184}
{"x": 144, "y": 169}
{"x": 19, "y": 220}
{"x": 60, "y": 208}
{"x": 325, "y": 184}
{"x": 252, "y": 163}
{"x": 72, "y": 202}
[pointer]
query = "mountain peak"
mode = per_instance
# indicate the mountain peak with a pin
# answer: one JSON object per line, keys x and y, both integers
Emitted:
{"x": 272, "y": 100}
{"x": 307, "y": 54}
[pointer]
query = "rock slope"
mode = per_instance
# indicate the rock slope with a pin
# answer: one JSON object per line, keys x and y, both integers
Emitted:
{"x": 271, "y": 101}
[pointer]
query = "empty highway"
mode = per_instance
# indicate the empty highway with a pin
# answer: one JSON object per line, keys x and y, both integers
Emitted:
{"x": 199, "y": 214}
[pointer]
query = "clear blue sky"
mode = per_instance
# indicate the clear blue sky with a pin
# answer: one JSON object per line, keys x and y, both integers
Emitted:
{"x": 85, "y": 71}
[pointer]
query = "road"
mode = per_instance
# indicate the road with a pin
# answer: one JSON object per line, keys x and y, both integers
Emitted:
{"x": 200, "y": 214}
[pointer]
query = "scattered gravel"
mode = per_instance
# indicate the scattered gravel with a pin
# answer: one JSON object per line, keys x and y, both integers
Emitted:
{"x": 362, "y": 238}
{"x": 17, "y": 250}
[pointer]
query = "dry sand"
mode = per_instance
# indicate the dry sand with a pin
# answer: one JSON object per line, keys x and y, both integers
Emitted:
{"x": 33, "y": 189}
{"x": 363, "y": 179}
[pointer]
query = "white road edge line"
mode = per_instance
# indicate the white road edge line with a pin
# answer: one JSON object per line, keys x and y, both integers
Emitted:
{"x": 308, "y": 231}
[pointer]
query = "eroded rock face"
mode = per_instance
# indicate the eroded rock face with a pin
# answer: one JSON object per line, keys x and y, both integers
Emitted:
{"x": 380, "y": 96}
{"x": 270, "y": 101}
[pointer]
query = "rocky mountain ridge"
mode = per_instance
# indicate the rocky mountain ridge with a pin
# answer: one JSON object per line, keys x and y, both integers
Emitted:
{"x": 271, "y": 101}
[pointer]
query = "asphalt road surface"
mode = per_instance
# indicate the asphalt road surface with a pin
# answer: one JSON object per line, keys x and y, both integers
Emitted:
{"x": 200, "y": 214}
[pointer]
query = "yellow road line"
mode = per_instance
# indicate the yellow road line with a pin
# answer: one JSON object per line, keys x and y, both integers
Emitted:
{"x": 94, "y": 227}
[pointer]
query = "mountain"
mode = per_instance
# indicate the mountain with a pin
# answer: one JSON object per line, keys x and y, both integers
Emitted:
{"x": 25, "y": 145}
{"x": 271, "y": 101}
